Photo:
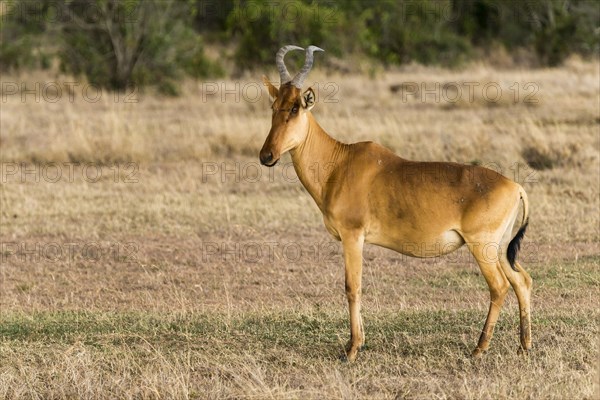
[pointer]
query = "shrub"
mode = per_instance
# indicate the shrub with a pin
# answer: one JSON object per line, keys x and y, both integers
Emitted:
{"x": 551, "y": 29}
{"x": 121, "y": 43}
{"x": 117, "y": 44}
{"x": 20, "y": 27}
{"x": 400, "y": 32}
{"x": 565, "y": 28}
{"x": 260, "y": 28}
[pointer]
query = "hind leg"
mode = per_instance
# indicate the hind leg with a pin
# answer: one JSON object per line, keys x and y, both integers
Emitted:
{"x": 498, "y": 285}
{"x": 521, "y": 283}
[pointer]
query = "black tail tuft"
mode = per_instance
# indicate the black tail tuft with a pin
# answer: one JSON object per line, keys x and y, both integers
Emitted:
{"x": 515, "y": 245}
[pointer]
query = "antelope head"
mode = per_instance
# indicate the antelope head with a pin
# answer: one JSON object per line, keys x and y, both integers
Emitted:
{"x": 291, "y": 106}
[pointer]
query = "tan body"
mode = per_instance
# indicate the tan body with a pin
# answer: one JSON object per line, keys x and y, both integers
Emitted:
{"x": 367, "y": 194}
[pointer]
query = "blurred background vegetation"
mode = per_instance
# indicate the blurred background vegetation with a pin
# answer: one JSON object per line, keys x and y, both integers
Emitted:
{"x": 121, "y": 43}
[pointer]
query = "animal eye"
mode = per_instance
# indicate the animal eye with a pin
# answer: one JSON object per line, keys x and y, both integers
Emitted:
{"x": 295, "y": 110}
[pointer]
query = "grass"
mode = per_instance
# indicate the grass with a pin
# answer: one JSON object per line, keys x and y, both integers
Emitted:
{"x": 196, "y": 273}
{"x": 423, "y": 353}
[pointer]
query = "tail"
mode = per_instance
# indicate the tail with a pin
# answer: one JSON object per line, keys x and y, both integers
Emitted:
{"x": 515, "y": 243}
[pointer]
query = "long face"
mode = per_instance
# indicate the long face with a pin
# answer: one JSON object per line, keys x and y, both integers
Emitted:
{"x": 289, "y": 125}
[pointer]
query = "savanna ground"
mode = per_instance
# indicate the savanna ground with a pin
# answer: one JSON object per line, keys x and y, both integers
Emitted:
{"x": 147, "y": 254}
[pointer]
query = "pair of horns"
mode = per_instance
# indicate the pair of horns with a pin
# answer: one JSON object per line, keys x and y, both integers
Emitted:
{"x": 284, "y": 75}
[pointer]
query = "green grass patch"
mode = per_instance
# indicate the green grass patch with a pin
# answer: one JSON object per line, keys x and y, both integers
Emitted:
{"x": 219, "y": 355}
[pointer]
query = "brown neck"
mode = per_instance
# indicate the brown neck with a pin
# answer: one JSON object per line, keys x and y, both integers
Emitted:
{"x": 316, "y": 158}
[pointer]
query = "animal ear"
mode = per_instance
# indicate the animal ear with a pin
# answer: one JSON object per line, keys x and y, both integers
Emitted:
{"x": 273, "y": 91}
{"x": 308, "y": 99}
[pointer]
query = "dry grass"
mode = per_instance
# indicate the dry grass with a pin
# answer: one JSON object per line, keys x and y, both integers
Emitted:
{"x": 170, "y": 278}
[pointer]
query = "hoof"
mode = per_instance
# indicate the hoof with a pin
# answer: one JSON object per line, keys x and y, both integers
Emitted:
{"x": 523, "y": 352}
{"x": 352, "y": 351}
{"x": 477, "y": 353}
{"x": 349, "y": 356}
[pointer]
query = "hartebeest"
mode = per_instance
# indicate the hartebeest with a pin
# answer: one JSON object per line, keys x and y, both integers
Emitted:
{"x": 367, "y": 194}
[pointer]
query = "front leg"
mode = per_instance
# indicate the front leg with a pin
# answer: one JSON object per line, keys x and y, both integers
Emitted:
{"x": 353, "y": 248}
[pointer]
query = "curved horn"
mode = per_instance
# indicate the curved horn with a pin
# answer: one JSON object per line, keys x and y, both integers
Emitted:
{"x": 301, "y": 76}
{"x": 284, "y": 75}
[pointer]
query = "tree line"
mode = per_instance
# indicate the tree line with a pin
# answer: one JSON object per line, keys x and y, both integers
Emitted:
{"x": 121, "y": 43}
